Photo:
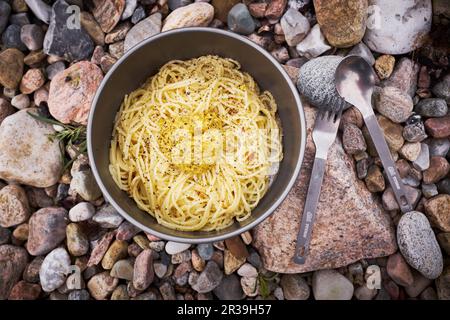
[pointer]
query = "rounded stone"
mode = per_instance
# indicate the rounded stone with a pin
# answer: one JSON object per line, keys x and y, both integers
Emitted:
{"x": 198, "y": 14}
{"x": 101, "y": 285}
{"x": 418, "y": 244}
{"x": 331, "y": 285}
{"x": 14, "y": 206}
{"x": 81, "y": 212}
{"x": 393, "y": 104}
{"x": 32, "y": 36}
{"x": 398, "y": 27}
{"x": 32, "y": 80}
{"x": 11, "y": 68}
{"x": 77, "y": 242}
{"x": 294, "y": 287}
{"x": 240, "y": 20}
{"x": 54, "y": 269}
{"x": 432, "y": 108}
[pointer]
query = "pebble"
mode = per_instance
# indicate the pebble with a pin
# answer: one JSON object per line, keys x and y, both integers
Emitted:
{"x": 167, "y": 291}
{"x": 438, "y": 147}
{"x": 5, "y": 11}
{"x": 143, "y": 30}
{"x": 21, "y": 101}
{"x": 205, "y": 251}
{"x": 138, "y": 15}
{"x": 399, "y": 270}
{"x": 437, "y": 210}
{"x": 81, "y": 212}
{"x": 118, "y": 33}
{"x": 77, "y": 242}
{"x": 314, "y": 44}
{"x": 71, "y": 44}
{"x": 237, "y": 247}
{"x": 72, "y": 91}
{"x": 418, "y": 286}
{"x": 32, "y": 36}
{"x": 231, "y": 262}
{"x": 363, "y": 51}
{"x": 197, "y": 262}
{"x": 404, "y": 76}
{"x": 175, "y": 4}
{"x": 438, "y": 169}
{"x": 418, "y": 244}
{"x": 342, "y": 22}
{"x": 79, "y": 295}
{"x": 250, "y": 286}
{"x": 5, "y": 109}
{"x": 54, "y": 269}
{"x": 122, "y": 269}
{"x": 130, "y": 7}
{"x": 40, "y": 9}
{"x": 160, "y": 269}
{"x": 295, "y": 26}
{"x": 394, "y": 104}
{"x": 316, "y": 81}
{"x": 410, "y": 151}
{"x": 101, "y": 285}
{"x": 25, "y": 291}
{"x": 415, "y": 131}
{"x": 116, "y": 50}
{"x": 117, "y": 251}
{"x": 429, "y": 190}
{"x": 390, "y": 203}
{"x": 331, "y": 285}
{"x": 157, "y": 246}
{"x": 5, "y": 235}
{"x": 384, "y": 66}
{"x": 229, "y": 288}
{"x": 32, "y": 80}
{"x": 100, "y": 249}
{"x": 108, "y": 13}
{"x": 208, "y": 279}
{"x": 374, "y": 179}
{"x": 443, "y": 285}
{"x": 120, "y": 293}
{"x": 92, "y": 28}
{"x": 275, "y": 9}
{"x": 31, "y": 272}
{"x": 402, "y": 26}
{"x": 444, "y": 186}
{"x": 143, "y": 270}
{"x": 353, "y": 139}
{"x": 240, "y": 20}
{"x": 438, "y": 127}
{"x": 13, "y": 261}
{"x": 126, "y": 231}
{"x": 181, "y": 257}
{"x": 247, "y": 270}
{"x": 11, "y": 38}
{"x": 428, "y": 294}
{"x": 75, "y": 281}
{"x": 53, "y": 69}
{"x": 108, "y": 217}
{"x": 442, "y": 89}
{"x": 294, "y": 287}
{"x": 364, "y": 293}
{"x": 432, "y": 108}
{"x": 11, "y": 68}
{"x": 14, "y": 206}
{"x": 423, "y": 160}
{"x": 47, "y": 228}
{"x": 176, "y": 247}
{"x": 198, "y": 14}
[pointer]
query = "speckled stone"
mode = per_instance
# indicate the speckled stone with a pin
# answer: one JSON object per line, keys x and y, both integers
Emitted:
{"x": 13, "y": 261}
{"x": 418, "y": 244}
{"x": 108, "y": 13}
{"x": 198, "y": 14}
{"x": 275, "y": 237}
{"x": 432, "y": 107}
{"x": 316, "y": 82}
{"x": 143, "y": 30}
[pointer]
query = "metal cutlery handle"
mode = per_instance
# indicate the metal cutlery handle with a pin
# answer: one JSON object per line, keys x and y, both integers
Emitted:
{"x": 309, "y": 211}
{"x": 388, "y": 163}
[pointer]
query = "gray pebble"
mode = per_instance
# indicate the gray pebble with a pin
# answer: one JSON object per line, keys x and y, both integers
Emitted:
{"x": 130, "y": 7}
{"x": 5, "y": 11}
{"x": 11, "y": 38}
{"x": 208, "y": 280}
{"x": 442, "y": 89}
{"x": 19, "y": 19}
{"x": 138, "y": 15}
{"x": 54, "y": 69}
{"x": 108, "y": 217}
{"x": 423, "y": 160}
{"x": 363, "y": 51}
{"x": 418, "y": 244}
{"x": 316, "y": 83}
{"x": 444, "y": 186}
{"x": 429, "y": 190}
{"x": 5, "y": 235}
{"x": 79, "y": 295}
{"x": 240, "y": 20}
{"x": 432, "y": 107}
{"x": 205, "y": 251}
{"x": 40, "y": 9}
{"x": 229, "y": 288}
{"x": 21, "y": 101}
{"x": 438, "y": 147}
{"x": 414, "y": 131}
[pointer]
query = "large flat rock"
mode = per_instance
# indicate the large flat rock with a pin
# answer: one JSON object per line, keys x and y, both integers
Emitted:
{"x": 350, "y": 223}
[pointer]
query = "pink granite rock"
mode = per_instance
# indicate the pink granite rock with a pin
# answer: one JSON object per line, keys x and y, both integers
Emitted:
{"x": 108, "y": 13}
{"x": 72, "y": 91}
{"x": 350, "y": 223}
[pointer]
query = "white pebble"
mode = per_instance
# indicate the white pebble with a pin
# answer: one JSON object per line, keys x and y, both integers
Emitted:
{"x": 176, "y": 247}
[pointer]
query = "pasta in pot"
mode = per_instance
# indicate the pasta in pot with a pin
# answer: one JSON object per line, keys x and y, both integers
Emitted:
{"x": 197, "y": 144}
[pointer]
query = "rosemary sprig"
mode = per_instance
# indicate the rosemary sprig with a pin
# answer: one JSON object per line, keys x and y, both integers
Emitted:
{"x": 69, "y": 135}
